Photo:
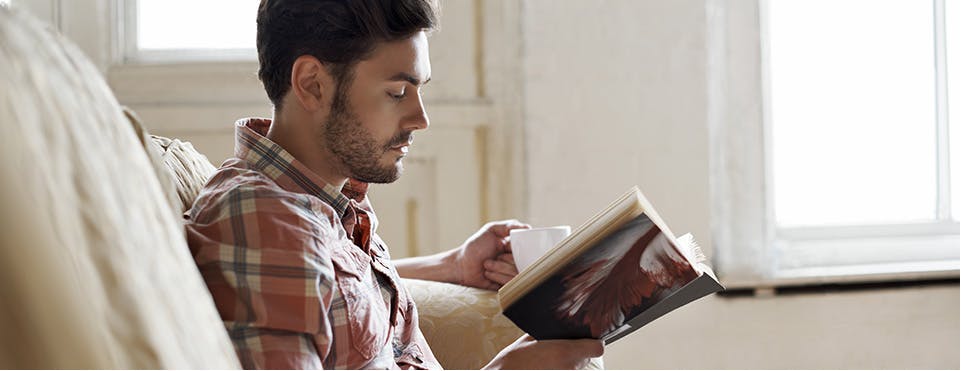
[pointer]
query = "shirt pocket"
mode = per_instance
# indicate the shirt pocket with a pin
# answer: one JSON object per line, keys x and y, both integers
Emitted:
{"x": 367, "y": 317}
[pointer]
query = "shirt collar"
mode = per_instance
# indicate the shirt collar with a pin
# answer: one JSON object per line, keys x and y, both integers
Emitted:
{"x": 275, "y": 162}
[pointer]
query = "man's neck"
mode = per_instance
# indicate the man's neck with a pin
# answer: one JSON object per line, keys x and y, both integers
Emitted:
{"x": 295, "y": 135}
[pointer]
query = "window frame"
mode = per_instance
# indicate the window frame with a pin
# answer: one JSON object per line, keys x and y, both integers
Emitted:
{"x": 750, "y": 250}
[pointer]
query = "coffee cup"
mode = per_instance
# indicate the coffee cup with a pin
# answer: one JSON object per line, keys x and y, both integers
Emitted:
{"x": 528, "y": 245}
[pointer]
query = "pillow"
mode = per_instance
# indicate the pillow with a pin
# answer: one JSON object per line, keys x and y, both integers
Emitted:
{"x": 154, "y": 154}
{"x": 182, "y": 168}
{"x": 190, "y": 169}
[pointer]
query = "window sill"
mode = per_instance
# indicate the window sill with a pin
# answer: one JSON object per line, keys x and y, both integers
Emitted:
{"x": 852, "y": 274}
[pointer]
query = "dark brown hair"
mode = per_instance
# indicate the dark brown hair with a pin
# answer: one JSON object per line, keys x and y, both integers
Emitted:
{"x": 339, "y": 33}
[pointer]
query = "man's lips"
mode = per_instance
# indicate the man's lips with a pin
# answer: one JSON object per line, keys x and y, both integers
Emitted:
{"x": 403, "y": 149}
{"x": 404, "y": 145}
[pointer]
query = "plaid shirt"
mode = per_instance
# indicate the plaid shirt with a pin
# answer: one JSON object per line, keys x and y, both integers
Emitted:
{"x": 295, "y": 267}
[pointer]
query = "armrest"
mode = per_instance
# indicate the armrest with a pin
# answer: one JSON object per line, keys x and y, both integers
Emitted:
{"x": 464, "y": 325}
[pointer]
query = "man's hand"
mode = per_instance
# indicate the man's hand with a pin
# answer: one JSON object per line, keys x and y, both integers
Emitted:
{"x": 527, "y": 353}
{"x": 485, "y": 260}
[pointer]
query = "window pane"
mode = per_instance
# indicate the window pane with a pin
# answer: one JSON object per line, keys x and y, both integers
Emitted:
{"x": 196, "y": 24}
{"x": 853, "y": 111}
{"x": 952, "y": 22}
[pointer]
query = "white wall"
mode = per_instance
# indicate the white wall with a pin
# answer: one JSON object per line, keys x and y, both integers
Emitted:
{"x": 616, "y": 94}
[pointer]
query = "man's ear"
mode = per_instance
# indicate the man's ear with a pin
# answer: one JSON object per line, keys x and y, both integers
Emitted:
{"x": 309, "y": 81}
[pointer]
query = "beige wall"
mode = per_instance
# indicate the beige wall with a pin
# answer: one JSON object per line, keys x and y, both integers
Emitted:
{"x": 616, "y": 94}
{"x": 909, "y": 328}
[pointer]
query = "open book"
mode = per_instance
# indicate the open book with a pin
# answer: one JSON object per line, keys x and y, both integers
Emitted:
{"x": 617, "y": 272}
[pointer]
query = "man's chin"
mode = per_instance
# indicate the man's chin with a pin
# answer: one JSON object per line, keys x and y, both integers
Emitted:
{"x": 382, "y": 176}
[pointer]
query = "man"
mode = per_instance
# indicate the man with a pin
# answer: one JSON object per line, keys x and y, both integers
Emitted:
{"x": 284, "y": 234}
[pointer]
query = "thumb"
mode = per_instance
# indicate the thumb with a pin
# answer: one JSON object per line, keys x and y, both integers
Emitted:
{"x": 503, "y": 228}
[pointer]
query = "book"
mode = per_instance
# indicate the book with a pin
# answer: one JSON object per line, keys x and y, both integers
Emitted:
{"x": 617, "y": 272}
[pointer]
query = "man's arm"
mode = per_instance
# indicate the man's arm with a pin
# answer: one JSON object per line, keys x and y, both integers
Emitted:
{"x": 484, "y": 260}
{"x": 437, "y": 267}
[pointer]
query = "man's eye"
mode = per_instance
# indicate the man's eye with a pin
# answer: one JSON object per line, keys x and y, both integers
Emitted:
{"x": 397, "y": 96}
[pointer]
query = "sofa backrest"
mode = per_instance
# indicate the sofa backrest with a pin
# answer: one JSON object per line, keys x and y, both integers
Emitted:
{"x": 94, "y": 270}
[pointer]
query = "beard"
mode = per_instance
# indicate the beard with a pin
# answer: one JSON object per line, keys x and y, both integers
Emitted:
{"x": 356, "y": 148}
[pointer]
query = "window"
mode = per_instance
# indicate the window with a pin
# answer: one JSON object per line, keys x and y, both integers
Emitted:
{"x": 856, "y": 167}
{"x": 853, "y": 112}
{"x": 189, "y": 30}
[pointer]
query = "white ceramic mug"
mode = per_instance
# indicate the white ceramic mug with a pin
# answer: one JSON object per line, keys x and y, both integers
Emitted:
{"x": 528, "y": 245}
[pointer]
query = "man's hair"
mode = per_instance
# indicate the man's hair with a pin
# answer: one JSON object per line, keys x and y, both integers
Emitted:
{"x": 339, "y": 33}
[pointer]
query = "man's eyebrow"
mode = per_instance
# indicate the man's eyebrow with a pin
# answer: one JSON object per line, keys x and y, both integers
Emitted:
{"x": 404, "y": 76}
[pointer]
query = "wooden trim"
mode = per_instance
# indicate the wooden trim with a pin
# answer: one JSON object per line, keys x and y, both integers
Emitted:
{"x": 482, "y": 140}
{"x": 413, "y": 247}
{"x": 941, "y": 96}
{"x": 479, "y": 70}
{"x": 741, "y": 234}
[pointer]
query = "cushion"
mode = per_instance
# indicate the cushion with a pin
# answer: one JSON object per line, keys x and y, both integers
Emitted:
{"x": 463, "y": 325}
{"x": 94, "y": 270}
{"x": 155, "y": 155}
{"x": 184, "y": 169}
{"x": 189, "y": 169}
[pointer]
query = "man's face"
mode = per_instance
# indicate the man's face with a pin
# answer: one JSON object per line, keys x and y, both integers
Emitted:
{"x": 373, "y": 116}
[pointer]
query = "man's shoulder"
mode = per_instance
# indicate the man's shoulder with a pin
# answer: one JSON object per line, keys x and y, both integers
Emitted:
{"x": 236, "y": 189}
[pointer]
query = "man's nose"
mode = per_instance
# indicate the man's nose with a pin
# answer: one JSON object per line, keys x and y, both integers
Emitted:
{"x": 417, "y": 120}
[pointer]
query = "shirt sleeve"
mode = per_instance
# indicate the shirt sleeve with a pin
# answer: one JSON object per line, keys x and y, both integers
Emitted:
{"x": 261, "y": 255}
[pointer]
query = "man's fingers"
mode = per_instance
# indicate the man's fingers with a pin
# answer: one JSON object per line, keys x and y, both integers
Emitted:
{"x": 500, "y": 266}
{"x": 505, "y": 245}
{"x": 507, "y": 258}
{"x": 497, "y": 277}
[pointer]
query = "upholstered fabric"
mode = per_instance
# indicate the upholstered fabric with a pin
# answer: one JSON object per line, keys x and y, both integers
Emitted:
{"x": 189, "y": 168}
{"x": 94, "y": 270}
{"x": 463, "y": 325}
